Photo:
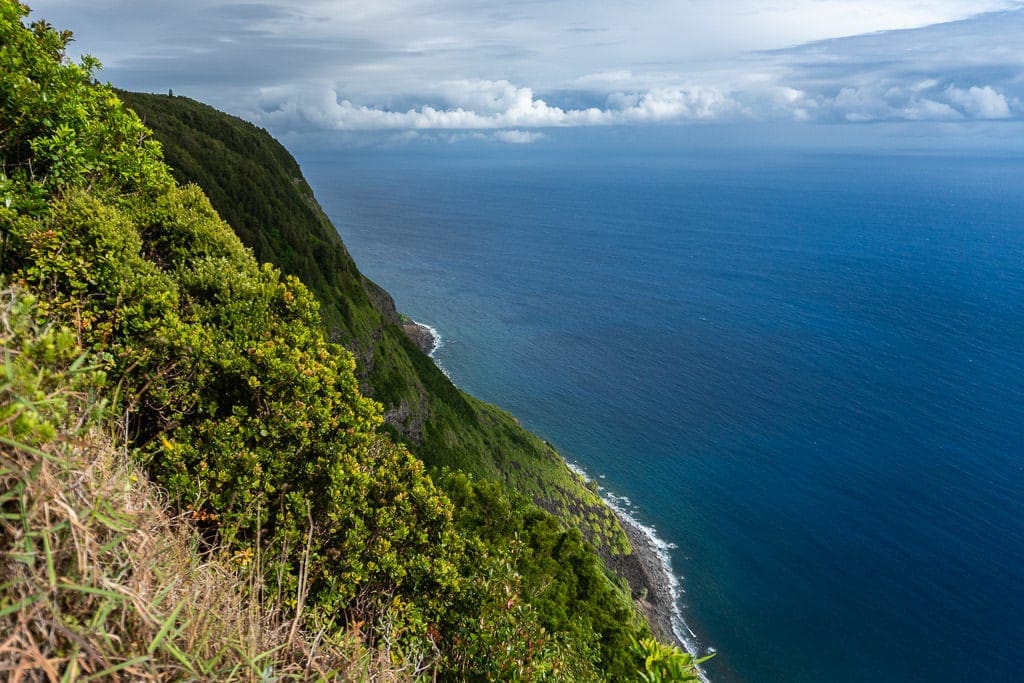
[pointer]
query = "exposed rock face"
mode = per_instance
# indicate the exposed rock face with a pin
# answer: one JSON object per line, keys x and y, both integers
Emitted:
{"x": 648, "y": 580}
{"x": 421, "y": 335}
{"x": 407, "y": 419}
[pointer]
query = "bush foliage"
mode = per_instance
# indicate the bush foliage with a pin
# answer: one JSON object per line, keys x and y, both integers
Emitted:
{"x": 101, "y": 582}
{"x": 258, "y": 188}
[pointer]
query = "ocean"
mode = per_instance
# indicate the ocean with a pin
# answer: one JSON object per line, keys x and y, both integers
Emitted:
{"x": 805, "y": 371}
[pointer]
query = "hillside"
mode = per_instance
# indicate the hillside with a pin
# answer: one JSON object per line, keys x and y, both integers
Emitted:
{"x": 258, "y": 188}
{"x": 95, "y": 543}
{"x": 135, "y": 321}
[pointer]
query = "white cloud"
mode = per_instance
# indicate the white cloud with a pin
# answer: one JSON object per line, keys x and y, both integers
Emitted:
{"x": 518, "y": 137}
{"x": 497, "y": 105}
{"x": 915, "y": 102}
{"x": 479, "y": 105}
{"x": 858, "y": 105}
{"x": 982, "y": 103}
{"x": 669, "y": 104}
{"x": 929, "y": 110}
{"x": 457, "y": 66}
{"x": 509, "y": 109}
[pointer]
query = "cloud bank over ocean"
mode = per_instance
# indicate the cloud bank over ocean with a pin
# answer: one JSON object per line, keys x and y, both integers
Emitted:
{"x": 966, "y": 70}
{"x": 489, "y": 70}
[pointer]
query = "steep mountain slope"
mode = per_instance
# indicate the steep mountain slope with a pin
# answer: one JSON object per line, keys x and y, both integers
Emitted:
{"x": 137, "y": 304}
{"x": 258, "y": 188}
{"x": 215, "y": 372}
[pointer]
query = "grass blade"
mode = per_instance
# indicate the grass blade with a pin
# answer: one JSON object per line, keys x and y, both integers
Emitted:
{"x": 117, "y": 667}
{"x": 78, "y": 588}
{"x": 165, "y": 628}
{"x": 51, "y": 571}
{"x": 21, "y": 604}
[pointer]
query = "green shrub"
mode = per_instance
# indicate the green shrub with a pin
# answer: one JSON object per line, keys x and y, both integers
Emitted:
{"x": 100, "y": 581}
{"x": 667, "y": 663}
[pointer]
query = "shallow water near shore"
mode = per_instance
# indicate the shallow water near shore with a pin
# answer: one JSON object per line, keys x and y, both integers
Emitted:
{"x": 806, "y": 372}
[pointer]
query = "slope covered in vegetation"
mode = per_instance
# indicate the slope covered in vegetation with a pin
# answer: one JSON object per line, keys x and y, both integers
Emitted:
{"x": 106, "y": 580}
{"x": 222, "y": 384}
{"x": 258, "y": 188}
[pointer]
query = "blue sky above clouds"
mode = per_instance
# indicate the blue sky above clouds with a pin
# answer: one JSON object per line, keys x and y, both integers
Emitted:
{"x": 518, "y": 72}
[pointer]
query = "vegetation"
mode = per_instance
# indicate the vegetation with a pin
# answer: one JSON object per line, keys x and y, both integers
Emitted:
{"x": 134, "y": 310}
{"x": 100, "y": 579}
{"x": 664, "y": 663}
{"x": 257, "y": 187}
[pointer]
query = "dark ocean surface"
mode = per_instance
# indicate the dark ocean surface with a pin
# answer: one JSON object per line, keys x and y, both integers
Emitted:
{"x": 805, "y": 371}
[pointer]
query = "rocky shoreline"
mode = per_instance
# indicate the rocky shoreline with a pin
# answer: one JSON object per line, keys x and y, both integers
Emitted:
{"x": 655, "y": 590}
{"x": 422, "y": 335}
{"x": 649, "y": 580}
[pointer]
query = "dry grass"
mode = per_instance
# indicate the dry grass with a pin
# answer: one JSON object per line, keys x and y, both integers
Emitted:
{"x": 99, "y": 582}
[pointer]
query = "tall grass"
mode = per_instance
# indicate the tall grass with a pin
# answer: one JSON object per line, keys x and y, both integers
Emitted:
{"x": 98, "y": 579}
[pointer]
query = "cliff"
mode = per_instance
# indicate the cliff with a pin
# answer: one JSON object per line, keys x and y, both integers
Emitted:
{"x": 224, "y": 381}
{"x": 257, "y": 187}
{"x": 254, "y": 183}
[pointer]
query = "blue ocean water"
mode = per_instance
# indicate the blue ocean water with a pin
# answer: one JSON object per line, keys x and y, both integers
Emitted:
{"x": 805, "y": 371}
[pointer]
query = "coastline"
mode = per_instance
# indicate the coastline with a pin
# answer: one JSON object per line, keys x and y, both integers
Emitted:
{"x": 648, "y": 571}
{"x": 652, "y": 574}
{"x": 652, "y": 585}
{"x": 423, "y": 336}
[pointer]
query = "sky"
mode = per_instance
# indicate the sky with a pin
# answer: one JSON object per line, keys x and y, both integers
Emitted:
{"x": 521, "y": 72}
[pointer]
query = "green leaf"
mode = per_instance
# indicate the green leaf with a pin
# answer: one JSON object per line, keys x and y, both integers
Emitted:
{"x": 165, "y": 628}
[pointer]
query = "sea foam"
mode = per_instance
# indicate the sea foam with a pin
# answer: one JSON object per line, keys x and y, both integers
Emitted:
{"x": 627, "y": 511}
{"x": 437, "y": 344}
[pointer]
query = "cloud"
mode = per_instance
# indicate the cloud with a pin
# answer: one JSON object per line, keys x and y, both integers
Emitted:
{"x": 929, "y": 110}
{"x": 457, "y": 66}
{"x": 982, "y": 103}
{"x": 958, "y": 71}
{"x": 670, "y": 104}
{"x": 473, "y": 105}
{"x": 504, "y": 107}
{"x": 518, "y": 137}
{"x": 925, "y": 102}
{"x": 964, "y": 70}
{"x": 478, "y": 105}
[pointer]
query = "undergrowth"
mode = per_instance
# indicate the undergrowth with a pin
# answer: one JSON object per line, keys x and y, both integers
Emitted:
{"x": 99, "y": 580}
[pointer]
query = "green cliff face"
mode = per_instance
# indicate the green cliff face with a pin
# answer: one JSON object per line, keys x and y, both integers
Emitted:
{"x": 257, "y": 187}
{"x": 227, "y": 380}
